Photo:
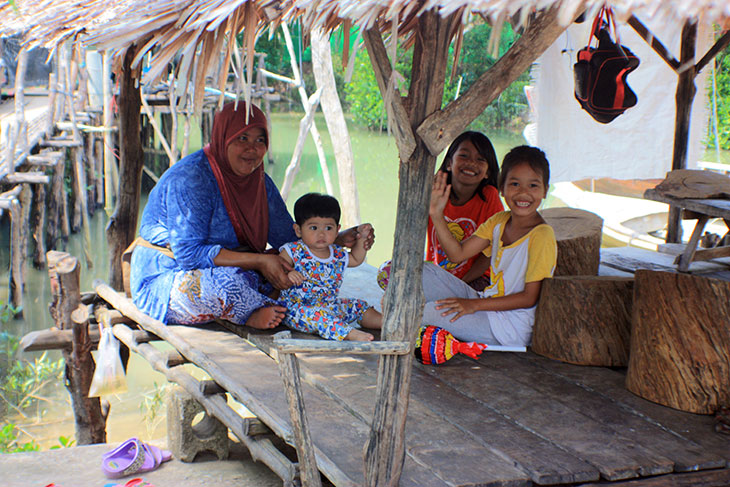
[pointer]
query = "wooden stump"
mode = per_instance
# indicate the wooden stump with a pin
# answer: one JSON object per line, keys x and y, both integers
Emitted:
{"x": 680, "y": 341}
{"x": 578, "y": 233}
{"x": 584, "y": 320}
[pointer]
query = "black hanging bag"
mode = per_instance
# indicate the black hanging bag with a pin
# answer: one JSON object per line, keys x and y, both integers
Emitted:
{"x": 600, "y": 73}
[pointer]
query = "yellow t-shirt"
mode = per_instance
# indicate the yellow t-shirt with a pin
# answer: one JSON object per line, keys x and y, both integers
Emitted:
{"x": 531, "y": 258}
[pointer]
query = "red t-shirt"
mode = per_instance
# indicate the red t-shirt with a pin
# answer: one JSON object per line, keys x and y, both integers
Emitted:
{"x": 462, "y": 221}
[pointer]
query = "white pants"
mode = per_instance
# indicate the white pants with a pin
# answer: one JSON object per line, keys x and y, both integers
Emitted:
{"x": 439, "y": 284}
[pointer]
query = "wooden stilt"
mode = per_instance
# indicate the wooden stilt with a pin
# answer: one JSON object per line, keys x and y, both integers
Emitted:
{"x": 70, "y": 314}
{"x": 109, "y": 161}
{"x": 16, "y": 257}
{"x": 38, "y": 226}
{"x": 25, "y": 199}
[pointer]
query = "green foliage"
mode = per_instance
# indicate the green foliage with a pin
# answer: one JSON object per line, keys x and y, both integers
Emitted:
{"x": 507, "y": 111}
{"x": 9, "y": 441}
{"x": 722, "y": 79}
{"x": 151, "y": 405}
{"x": 22, "y": 381}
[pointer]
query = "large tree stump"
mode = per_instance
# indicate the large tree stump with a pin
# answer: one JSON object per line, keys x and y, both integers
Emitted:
{"x": 578, "y": 233}
{"x": 584, "y": 320}
{"x": 680, "y": 341}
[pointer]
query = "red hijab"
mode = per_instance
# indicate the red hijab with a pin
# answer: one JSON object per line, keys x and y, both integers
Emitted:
{"x": 244, "y": 196}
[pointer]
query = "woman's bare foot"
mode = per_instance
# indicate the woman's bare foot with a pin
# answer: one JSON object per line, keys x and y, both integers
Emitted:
{"x": 266, "y": 318}
{"x": 356, "y": 335}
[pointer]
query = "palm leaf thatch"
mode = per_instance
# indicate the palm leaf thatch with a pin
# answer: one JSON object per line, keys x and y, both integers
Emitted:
{"x": 200, "y": 34}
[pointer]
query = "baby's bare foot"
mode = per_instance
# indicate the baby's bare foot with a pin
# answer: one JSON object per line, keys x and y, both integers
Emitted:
{"x": 359, "y": 336}
{"x": 266, "y": 318}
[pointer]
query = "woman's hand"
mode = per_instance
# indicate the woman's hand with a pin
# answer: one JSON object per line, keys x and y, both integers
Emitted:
{"x": 275, "y": 270}
{"x": 439, "y": 195}
{"x": 460, "y": 306}
{"x": 348, "y": 238}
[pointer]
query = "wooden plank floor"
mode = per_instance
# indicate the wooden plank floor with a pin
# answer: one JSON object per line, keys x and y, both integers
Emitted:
{"x": 505, "y": 420}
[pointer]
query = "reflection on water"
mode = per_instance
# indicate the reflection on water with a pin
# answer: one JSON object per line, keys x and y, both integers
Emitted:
{"x": 376, "y": 169}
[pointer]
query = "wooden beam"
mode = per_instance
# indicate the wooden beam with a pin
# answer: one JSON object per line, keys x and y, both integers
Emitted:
{"x": 27, "y": 177}
{"x": 719, "y": 45}
{"x": 655, "y": 43}
{"x": 442, "y": 126}
{"x": 319, "y": 346}
{"x": 404, "y": 137}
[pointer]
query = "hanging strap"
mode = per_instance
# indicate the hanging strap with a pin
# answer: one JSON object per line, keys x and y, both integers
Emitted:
{"x": 127, "y": 259}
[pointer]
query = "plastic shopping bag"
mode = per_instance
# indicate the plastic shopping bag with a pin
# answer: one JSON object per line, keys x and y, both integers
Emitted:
{"x": 109, "y": 375}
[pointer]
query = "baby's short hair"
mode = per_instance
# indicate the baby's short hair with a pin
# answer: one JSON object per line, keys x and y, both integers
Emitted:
{"x": 533, "y": 156}
{"x": 313, "y": 205}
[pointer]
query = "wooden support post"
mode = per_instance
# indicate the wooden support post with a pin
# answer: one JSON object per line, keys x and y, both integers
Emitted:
{"x": 57, "y": 207}
{"x": 16, "y": 257}
{"x": 385, "y": 448}
{"x": 38, "y": 226}
{"x": 123, "y": 223}
{"x": 337, "y": 127}
{"x": 64, "y": 273}
{"x": 289, "y": 369}
{"x": 685, "y": 94}
{"x": 26, "y": 200}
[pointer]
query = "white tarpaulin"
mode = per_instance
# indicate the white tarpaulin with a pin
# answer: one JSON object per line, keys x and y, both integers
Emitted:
{"x": 636, "y": 145}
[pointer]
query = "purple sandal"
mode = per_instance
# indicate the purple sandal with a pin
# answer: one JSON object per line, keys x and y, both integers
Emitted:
{"x": 131, "y": 457}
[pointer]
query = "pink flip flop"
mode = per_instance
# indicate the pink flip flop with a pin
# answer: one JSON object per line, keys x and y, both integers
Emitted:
{"x": 132, "y": 456}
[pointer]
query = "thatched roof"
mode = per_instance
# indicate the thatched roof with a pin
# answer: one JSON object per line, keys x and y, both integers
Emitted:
{"x": 198, "y": 30}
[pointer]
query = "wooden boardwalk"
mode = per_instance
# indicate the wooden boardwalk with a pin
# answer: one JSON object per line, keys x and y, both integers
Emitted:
{"x": 505, "y": 420}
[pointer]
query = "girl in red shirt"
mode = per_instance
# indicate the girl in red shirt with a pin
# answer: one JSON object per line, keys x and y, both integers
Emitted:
{"x": 472, "y": 169}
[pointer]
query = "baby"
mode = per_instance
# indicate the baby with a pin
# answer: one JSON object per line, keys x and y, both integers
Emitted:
{"x": 312, "y": 303}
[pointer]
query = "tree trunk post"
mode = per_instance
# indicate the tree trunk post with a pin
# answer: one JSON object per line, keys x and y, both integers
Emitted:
{"x": 17, "y": 264}
{"x": 385, "y": 448}
{"x": 64, "y": 273}
{"x": 685, "y": 94}
{"x": 337, "y": 126}
{"x": 123, "y": 223}
{"x": 38, "y": 226}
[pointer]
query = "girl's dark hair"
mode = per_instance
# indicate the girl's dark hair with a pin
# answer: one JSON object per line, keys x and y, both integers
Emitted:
{"x": 485, "y": 149}
{"x": 313, "y": 205}
{"x": 532, "y": 156}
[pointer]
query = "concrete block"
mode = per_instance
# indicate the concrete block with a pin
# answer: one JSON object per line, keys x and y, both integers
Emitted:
{"x": 186, "y": 440}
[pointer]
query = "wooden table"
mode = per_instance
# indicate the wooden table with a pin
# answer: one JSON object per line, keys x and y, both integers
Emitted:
{"x": 702, "y": 210}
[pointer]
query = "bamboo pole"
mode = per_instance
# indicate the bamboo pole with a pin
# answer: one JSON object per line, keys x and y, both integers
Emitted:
{"x": 158, "y": 131}
{"x": 307, "y": 108}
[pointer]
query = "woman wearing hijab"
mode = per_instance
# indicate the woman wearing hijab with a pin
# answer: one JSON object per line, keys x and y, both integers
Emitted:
{"x": 206, "y": 226}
